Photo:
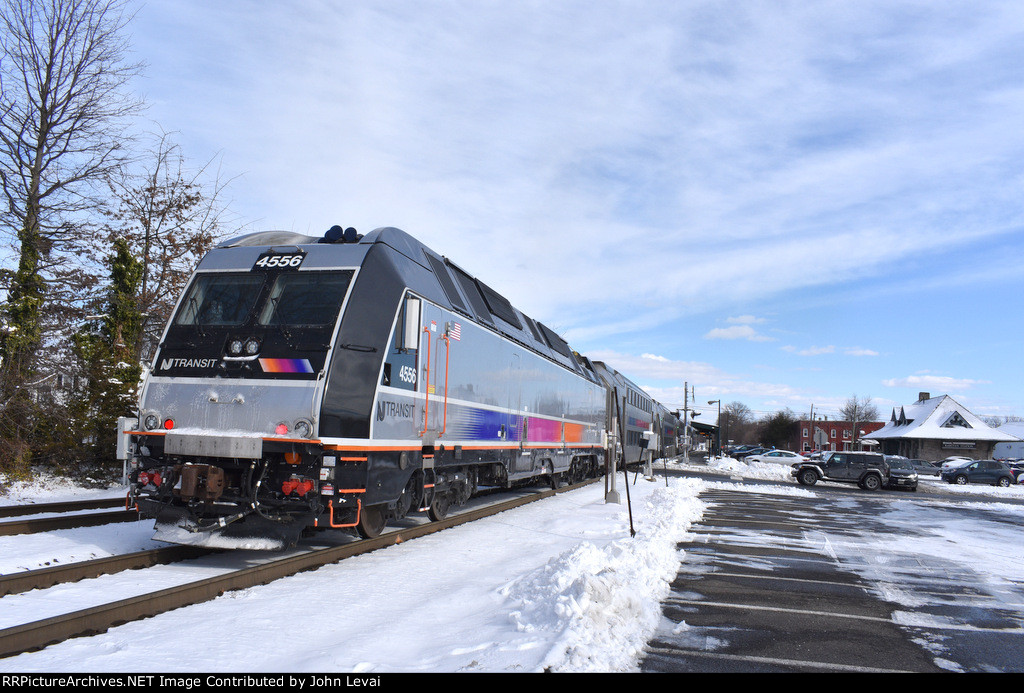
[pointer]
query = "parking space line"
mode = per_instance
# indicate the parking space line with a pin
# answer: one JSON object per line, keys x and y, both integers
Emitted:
{"x": 755, "y": 607}
{"x": 808, "y": 581}
{"x": 798, "y": 663}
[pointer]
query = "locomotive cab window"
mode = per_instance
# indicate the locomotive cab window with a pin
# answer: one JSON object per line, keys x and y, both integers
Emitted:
{"x": 305, "y": 298}
{"x": 221, "y": 299}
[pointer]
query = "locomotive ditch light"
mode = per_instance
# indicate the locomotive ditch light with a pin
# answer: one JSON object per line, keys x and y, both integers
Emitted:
{"x": 235, "y": 347}
{"x": 151, "y": 421}
{"x": 252, "y": 347}
{"x": 303, "y": 428}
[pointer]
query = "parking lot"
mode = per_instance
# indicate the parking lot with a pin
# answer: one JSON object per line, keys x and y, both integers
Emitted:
{"x": 781, "y": 578}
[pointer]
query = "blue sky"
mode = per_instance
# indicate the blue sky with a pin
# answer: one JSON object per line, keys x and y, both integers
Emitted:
{"x": 779, "y": 203}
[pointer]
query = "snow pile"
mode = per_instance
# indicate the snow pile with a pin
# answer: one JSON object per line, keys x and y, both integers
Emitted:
{"x": 600, "y": 604}
{"x": 752, "y": 470}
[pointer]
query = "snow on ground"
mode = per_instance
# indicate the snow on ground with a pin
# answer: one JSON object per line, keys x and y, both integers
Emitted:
{"x": 559, "y": 584}
{"x": 556, "y": 585}
{"x": 45, "y": 488}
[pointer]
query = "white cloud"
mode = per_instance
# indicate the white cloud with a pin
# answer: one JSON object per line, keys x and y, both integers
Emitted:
{"x": 934, "y": 382}
{"x": 860, "y": 351}
{"x": 811, "y": 351}
{"x": 737, "y": 332}
{"x": 745, "y": 320}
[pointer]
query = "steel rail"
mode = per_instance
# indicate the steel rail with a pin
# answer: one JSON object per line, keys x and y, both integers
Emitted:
{"x": 43, "y": 578}
{"x": 98, "y": 619}
{"x": 65, "y": 507}
{"x": 48, "y": 524}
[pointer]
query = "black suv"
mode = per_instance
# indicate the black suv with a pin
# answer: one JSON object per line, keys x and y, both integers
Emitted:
{"x": 866, "y": 469}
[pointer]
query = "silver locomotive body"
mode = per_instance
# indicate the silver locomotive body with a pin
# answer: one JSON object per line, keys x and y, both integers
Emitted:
{"x": 342, "y": 382}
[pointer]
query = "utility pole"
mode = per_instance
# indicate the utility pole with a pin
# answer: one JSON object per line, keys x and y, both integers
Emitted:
{"x": 686, "y": 424}
{"x": 810, "y": 430}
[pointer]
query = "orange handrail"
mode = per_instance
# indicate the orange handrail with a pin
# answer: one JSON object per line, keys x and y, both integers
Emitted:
{"x": 426, "y": 390}
{"x": 447, "y": 351}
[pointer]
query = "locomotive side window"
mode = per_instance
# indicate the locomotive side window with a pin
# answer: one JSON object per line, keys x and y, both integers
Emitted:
{"x": 224, "y": 299}
{"x": 305, "y": 298}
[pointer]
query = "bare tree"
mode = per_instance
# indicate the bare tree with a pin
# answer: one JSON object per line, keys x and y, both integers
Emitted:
{"x": 858, "y": 410}
{"x": 63, "y": 99}
{"x": 737, "y": 422}
{"x": 63, "y": 82}
{"x": 169, "y": 215}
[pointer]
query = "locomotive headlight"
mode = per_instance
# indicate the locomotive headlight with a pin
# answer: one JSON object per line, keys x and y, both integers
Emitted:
{"x": 303, "y": 428}
{"x": 235, "y": 347}
{"x": 252, "y": 347}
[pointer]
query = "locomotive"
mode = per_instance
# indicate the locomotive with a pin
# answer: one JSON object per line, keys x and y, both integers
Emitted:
{"x": 346, "y": 381}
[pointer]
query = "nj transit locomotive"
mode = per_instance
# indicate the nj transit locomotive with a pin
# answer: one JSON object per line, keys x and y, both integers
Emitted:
{"x": 344, "y": 381}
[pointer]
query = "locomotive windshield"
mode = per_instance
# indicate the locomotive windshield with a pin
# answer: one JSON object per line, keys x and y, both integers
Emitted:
{"x": 308, "y": 298}
{"x": 265, "y": 324}
{"x": 293, "y": 299}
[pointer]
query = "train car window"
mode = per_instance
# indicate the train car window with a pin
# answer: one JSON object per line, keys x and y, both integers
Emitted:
{"x": 306, "y": 298}
{"x": 445, "y": 279}
{"x": 220, "y": 299}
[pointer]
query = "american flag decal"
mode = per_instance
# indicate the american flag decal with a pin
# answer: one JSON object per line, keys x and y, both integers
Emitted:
{"x": 454, "y": 331}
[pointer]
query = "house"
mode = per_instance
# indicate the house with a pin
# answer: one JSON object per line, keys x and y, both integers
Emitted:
{"x": 934, "y": 428}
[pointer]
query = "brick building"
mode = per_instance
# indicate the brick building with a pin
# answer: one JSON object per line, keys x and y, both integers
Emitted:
{"x": 824, "y": 434}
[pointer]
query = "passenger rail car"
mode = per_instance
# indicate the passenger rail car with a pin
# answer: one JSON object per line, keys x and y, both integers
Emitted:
{"x": 343, "y": 381}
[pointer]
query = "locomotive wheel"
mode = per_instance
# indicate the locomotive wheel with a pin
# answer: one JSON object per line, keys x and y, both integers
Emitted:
{"x": 438, "y": 509}
{"x": 372, "y": 521}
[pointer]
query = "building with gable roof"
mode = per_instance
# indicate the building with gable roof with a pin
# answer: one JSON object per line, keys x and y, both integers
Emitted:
{"x": 934, "y": 428}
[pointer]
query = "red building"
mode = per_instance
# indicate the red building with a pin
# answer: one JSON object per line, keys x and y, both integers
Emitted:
{"x": 825, "y": 434}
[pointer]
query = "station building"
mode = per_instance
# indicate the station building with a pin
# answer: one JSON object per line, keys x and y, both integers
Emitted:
{"x": 934, "y": 428}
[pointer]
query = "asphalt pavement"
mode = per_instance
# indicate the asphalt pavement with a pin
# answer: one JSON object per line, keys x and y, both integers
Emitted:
{"x": 762, "y": 591}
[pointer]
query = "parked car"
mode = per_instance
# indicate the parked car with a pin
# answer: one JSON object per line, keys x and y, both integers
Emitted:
{"x": 902, "y": 474}
{"x": 748, "y": 453}
{"x": 780, "y": 456}
{"x": 866, "y": 469}
{"x": 926, "y": 468}
{"x": 1017, "y": 469}
{"x": 979, "y": 472}
{"x": 953, "y": 463}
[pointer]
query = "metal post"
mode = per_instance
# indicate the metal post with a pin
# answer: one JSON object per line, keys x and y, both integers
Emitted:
{"x": 718, "y": 423}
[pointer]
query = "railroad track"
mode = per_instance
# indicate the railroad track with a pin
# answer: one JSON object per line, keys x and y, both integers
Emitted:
{"x": 39, "y": 634}
{"x": 42, "y": 578}
{"x": 70, "y": 515}
{"x": 65, "y": 507}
